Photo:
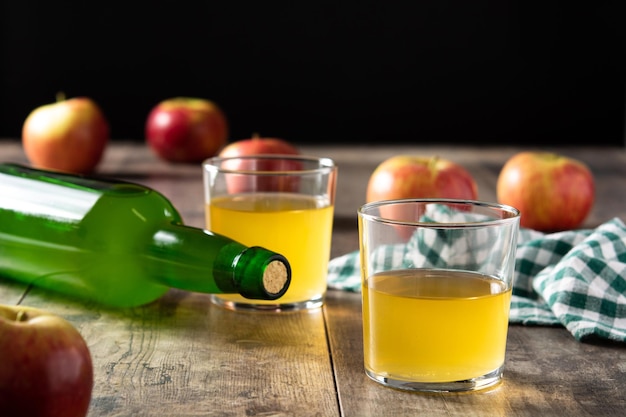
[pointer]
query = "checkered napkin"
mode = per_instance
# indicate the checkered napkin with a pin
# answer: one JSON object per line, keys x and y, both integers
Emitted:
{"x": 574, "y": 278}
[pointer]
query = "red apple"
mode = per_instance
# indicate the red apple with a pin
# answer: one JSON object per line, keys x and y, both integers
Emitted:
{"x": 250, "y": 149}
{"x": 186, "y": 129}
{"x": 552, "y": 192}
{"x": 46, "y": 365}
{"x": 68, "y": 135}
{"x": 257, "y": 145}
{"x": 406, "y": 176}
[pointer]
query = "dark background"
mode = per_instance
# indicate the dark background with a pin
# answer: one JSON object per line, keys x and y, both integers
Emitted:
{"x": 343, "y": 71}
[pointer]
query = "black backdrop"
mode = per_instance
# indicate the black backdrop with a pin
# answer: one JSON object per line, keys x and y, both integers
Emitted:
{"x": 343, "y": 71}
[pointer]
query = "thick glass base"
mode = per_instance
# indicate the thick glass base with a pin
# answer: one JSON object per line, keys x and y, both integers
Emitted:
{"x": 277, "y": 308}
{"x": 473, "y": 384}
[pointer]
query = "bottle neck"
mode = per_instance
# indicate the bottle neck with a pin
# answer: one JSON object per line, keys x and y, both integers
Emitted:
{"x": 198, "y": 260}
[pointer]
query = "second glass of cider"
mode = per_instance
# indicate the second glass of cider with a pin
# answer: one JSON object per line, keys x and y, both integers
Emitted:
{"x": 436, "y": 289}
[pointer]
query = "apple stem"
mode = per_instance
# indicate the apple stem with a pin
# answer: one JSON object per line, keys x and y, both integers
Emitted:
{"x": 60, "y": 96}
{"x": 256, "y": 135}
{"x": 21, "y": 316}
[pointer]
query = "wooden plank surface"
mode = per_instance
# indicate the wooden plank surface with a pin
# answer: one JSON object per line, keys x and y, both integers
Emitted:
{"x": 182, "y": 356}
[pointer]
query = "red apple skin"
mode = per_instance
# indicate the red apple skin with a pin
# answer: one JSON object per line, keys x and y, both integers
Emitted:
{"x": 261, "y": 146}
{"x": 407, "y": 176}
{"x": 410, "y": 176}
{"x": 552, "y": 192}
{"x": 47, "y": 369}
{"x": 258, "y": 145}
{"x": 186, "y": 129}
{"x": 68, "y": 135}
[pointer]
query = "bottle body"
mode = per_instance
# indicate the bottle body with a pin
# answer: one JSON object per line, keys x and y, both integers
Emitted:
{"x": 117, "y": 243}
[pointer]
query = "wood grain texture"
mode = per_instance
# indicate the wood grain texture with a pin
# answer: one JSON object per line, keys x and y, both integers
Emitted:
{"x": 183, "y": 356}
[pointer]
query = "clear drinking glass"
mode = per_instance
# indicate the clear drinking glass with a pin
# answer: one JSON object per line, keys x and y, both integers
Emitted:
{"x": 436, "y": 290}
{"x": 284, "y": 203}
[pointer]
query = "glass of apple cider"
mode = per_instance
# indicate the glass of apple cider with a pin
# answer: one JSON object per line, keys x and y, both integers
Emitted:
{"x": 436, "y": 291}
{"x": 284, "y": 203}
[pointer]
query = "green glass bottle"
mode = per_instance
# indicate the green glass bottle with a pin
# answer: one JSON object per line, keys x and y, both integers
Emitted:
{"x": 118, "y": 243}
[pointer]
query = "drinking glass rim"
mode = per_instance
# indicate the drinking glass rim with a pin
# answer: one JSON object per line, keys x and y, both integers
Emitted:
{"x": 326, "y": 164}
{"x": 514, "y": 213}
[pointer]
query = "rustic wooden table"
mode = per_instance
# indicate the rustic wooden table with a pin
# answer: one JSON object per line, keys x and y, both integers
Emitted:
{"x": 182, "y": 356}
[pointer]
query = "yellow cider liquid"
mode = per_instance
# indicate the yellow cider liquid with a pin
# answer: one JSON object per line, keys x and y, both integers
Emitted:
{"x": 434, "y": 325}
{"x": 298, "y": 227}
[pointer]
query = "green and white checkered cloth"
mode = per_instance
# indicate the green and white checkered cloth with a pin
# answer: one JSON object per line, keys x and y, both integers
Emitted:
{"x": 574, "y": 278}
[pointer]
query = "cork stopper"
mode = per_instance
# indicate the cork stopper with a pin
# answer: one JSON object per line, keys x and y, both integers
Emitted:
{"x": 258, "y": 274}
{"x": 275, "y": 277}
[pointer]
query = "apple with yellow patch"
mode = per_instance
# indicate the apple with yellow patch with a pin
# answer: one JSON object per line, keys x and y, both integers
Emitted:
{"x": 552, "y": 192}
{"x": 69, "y": 135}
{"x": 414, "y": 176}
